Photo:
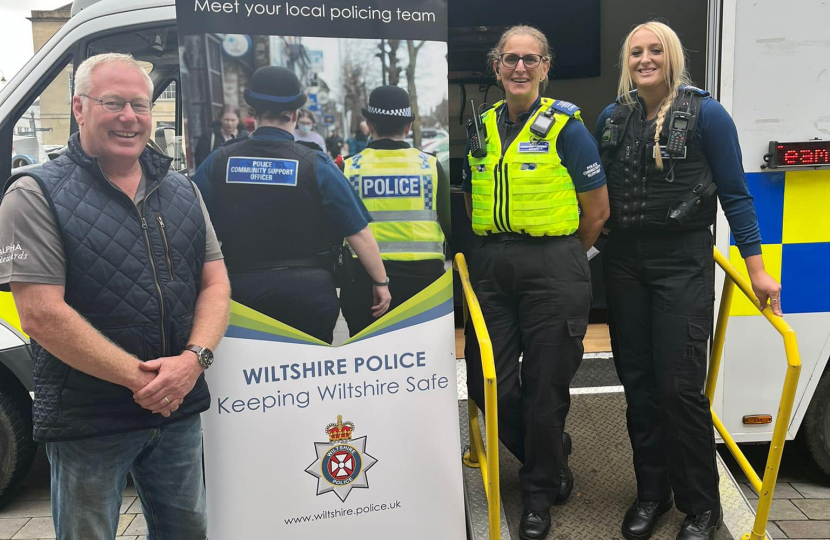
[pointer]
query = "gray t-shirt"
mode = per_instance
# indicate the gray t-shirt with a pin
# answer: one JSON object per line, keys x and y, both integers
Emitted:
{"x": 31, "y": 249}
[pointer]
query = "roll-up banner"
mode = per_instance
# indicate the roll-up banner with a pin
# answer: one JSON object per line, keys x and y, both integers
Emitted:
{"x": 357, "y": 439}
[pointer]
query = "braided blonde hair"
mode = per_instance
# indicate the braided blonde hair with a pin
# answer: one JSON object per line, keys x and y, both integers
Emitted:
{"x": 674, "y": 73}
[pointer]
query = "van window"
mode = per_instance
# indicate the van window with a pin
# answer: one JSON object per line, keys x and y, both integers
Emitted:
{"x": 45, "y": 125}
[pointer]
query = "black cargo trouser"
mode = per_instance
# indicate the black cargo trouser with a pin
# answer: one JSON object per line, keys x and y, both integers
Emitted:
{"x": 535, "y": 294}
{"x": 301, "y": 297}
{"x": 406, "y": 279}
{"x": 660, "y": 293}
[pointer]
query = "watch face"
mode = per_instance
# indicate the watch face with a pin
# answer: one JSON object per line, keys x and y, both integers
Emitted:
{"x": 206, "y": 357}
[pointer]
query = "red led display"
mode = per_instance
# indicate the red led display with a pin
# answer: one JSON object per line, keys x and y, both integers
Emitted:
{"x": 800, "y": 154}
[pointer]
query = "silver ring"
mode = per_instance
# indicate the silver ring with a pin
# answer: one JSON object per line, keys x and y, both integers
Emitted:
{"x": 774, "y": 299}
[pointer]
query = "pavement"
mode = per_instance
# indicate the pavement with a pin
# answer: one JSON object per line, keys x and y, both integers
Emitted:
{"x": 800, "y": 508}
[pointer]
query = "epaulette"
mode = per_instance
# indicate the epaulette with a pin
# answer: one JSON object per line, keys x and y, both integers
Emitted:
{"x": 564, "y": 107}
{"x": 632, "y": 94}
{"x": 696, "y": 90}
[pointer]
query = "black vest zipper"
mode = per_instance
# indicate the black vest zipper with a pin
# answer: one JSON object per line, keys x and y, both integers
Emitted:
{"x": 153, "y": 264}
{"x": 149, "y": 246}
{"x": 166, "y": 247}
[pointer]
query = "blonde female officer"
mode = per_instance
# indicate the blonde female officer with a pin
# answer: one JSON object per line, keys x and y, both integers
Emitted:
{"x": 658, "y": 271}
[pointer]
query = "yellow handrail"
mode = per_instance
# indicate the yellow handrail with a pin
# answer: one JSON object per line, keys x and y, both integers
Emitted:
{"x": 765, "y": 487}
{"x": 487, "y": 458}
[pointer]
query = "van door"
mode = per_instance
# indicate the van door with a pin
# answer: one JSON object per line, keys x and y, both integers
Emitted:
{"x": 44, "y": 112}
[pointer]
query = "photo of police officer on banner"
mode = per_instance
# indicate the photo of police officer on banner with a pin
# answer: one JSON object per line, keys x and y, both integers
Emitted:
{"x": 407, "y": 193}
{"x": 277, "y": 205}
{"x": 287, "y": 216}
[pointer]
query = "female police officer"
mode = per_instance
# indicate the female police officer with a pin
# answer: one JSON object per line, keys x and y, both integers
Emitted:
{"x": 276, "y": 207}
{"x": 659, "y": 271}
{"x": 537, "y": 166}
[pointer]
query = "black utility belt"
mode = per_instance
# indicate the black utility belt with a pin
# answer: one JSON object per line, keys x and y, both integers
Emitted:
{"x": 520, "y": 237}
{"x": 322, "y": 261}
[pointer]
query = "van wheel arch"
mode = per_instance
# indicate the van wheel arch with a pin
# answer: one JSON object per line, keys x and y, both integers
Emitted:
{"x": 17, "y": 448}
{"x": 814, "y": 435}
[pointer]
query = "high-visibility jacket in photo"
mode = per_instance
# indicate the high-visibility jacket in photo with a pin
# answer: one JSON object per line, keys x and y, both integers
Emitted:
{"x": 398, "y": 188}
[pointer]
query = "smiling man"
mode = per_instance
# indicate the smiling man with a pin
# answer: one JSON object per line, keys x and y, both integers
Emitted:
{"x": 121, "y": 286}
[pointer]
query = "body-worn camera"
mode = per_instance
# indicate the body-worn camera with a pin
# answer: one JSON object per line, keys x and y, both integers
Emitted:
{"x": 541, "y": 126}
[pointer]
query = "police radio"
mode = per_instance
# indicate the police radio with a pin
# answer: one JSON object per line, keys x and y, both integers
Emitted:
{"x": 678, "y": 130}
{"x": 541, "y": 126}
{"x": 476, "y": 133}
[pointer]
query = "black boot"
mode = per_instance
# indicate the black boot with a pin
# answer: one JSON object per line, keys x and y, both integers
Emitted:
{"x": 701, "y": 526}
{"x": 566, "y": 477}
{"x": 534, "y": 525}
{"x": 640, "y": 518}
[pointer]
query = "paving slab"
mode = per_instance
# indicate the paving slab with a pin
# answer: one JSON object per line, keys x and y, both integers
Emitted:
{"x": 137, "y": 526}
{"x": 813, "y": 490}
{"x": 124, "y": 521}
{"x": 784, "y": 510}
{"x": 10, "y": 526}
{"x": 805, "y": 529}
{"x": 18, "y": 508}
{"x": 814, "y": 508}
{"x": 39, "y": 527}
{"x": 125, "y": 504}
{"x": 774, "y": 531}
{"x": 135, "y": 507}
{"x": 749, "y": 493}
{"x": 783, "y": 490}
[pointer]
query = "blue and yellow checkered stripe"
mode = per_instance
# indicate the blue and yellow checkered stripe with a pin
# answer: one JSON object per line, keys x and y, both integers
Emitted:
{"x": 794, "y": 217}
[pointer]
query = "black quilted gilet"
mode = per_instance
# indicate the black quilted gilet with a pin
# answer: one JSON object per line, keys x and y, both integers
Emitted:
{"x": 134, "y": 273}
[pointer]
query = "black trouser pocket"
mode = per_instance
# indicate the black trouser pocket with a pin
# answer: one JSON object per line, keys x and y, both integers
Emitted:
{"x": 690, "y": 370}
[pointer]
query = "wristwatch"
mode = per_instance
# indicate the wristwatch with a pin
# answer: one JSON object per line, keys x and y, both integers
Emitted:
{"x": 203, "y": 354}
{"x": 381, "y": 283}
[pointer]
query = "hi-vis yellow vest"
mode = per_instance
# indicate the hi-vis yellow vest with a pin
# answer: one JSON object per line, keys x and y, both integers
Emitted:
{"x": 398, "y": 188}
{"x": 527, "y": 190}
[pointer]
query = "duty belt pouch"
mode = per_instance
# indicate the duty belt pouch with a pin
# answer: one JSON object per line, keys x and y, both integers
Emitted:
{"x": 343, "y": 264}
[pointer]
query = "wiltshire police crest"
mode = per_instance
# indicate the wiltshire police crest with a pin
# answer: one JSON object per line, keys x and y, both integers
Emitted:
{"x": 342, "y": 462}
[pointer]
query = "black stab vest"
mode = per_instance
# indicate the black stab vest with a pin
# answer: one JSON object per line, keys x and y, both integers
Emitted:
{"x": 640, "y": 194}
{"x": 261, "y": 226}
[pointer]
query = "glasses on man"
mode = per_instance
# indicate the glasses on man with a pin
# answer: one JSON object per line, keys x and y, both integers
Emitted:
{"x": 113, "y": 104}
{"x": 530, "y": 60}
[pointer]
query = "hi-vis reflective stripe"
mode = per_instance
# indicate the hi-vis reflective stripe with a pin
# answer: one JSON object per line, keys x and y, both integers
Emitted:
{"x": 404, "y": 215}
{"x": 411, "y": 247}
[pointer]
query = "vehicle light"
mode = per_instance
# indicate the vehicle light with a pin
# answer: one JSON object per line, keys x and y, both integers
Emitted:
{"x": 813, "y": 153}
{"x": 758, "y": 419}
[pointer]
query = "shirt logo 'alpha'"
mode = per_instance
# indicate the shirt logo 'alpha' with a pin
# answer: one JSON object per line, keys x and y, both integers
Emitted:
{"x": 263, "y": 171}
{"x": 390, "y": 186}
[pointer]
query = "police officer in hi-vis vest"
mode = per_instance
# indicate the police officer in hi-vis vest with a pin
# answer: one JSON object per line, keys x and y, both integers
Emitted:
{"x": 537, "y": 166}
{"x": 408, "y": 194}
{"x": 277, "y": 205}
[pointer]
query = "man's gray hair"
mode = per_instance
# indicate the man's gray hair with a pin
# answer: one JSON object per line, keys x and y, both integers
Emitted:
{"x": 83, "y": 76}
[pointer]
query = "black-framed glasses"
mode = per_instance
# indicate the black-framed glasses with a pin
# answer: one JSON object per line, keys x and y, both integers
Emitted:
{"x": 113, "y": 104}
{"x": 530, "y": 60}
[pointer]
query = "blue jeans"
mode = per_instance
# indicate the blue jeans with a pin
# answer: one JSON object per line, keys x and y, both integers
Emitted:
{"x": 89, "y": 475}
